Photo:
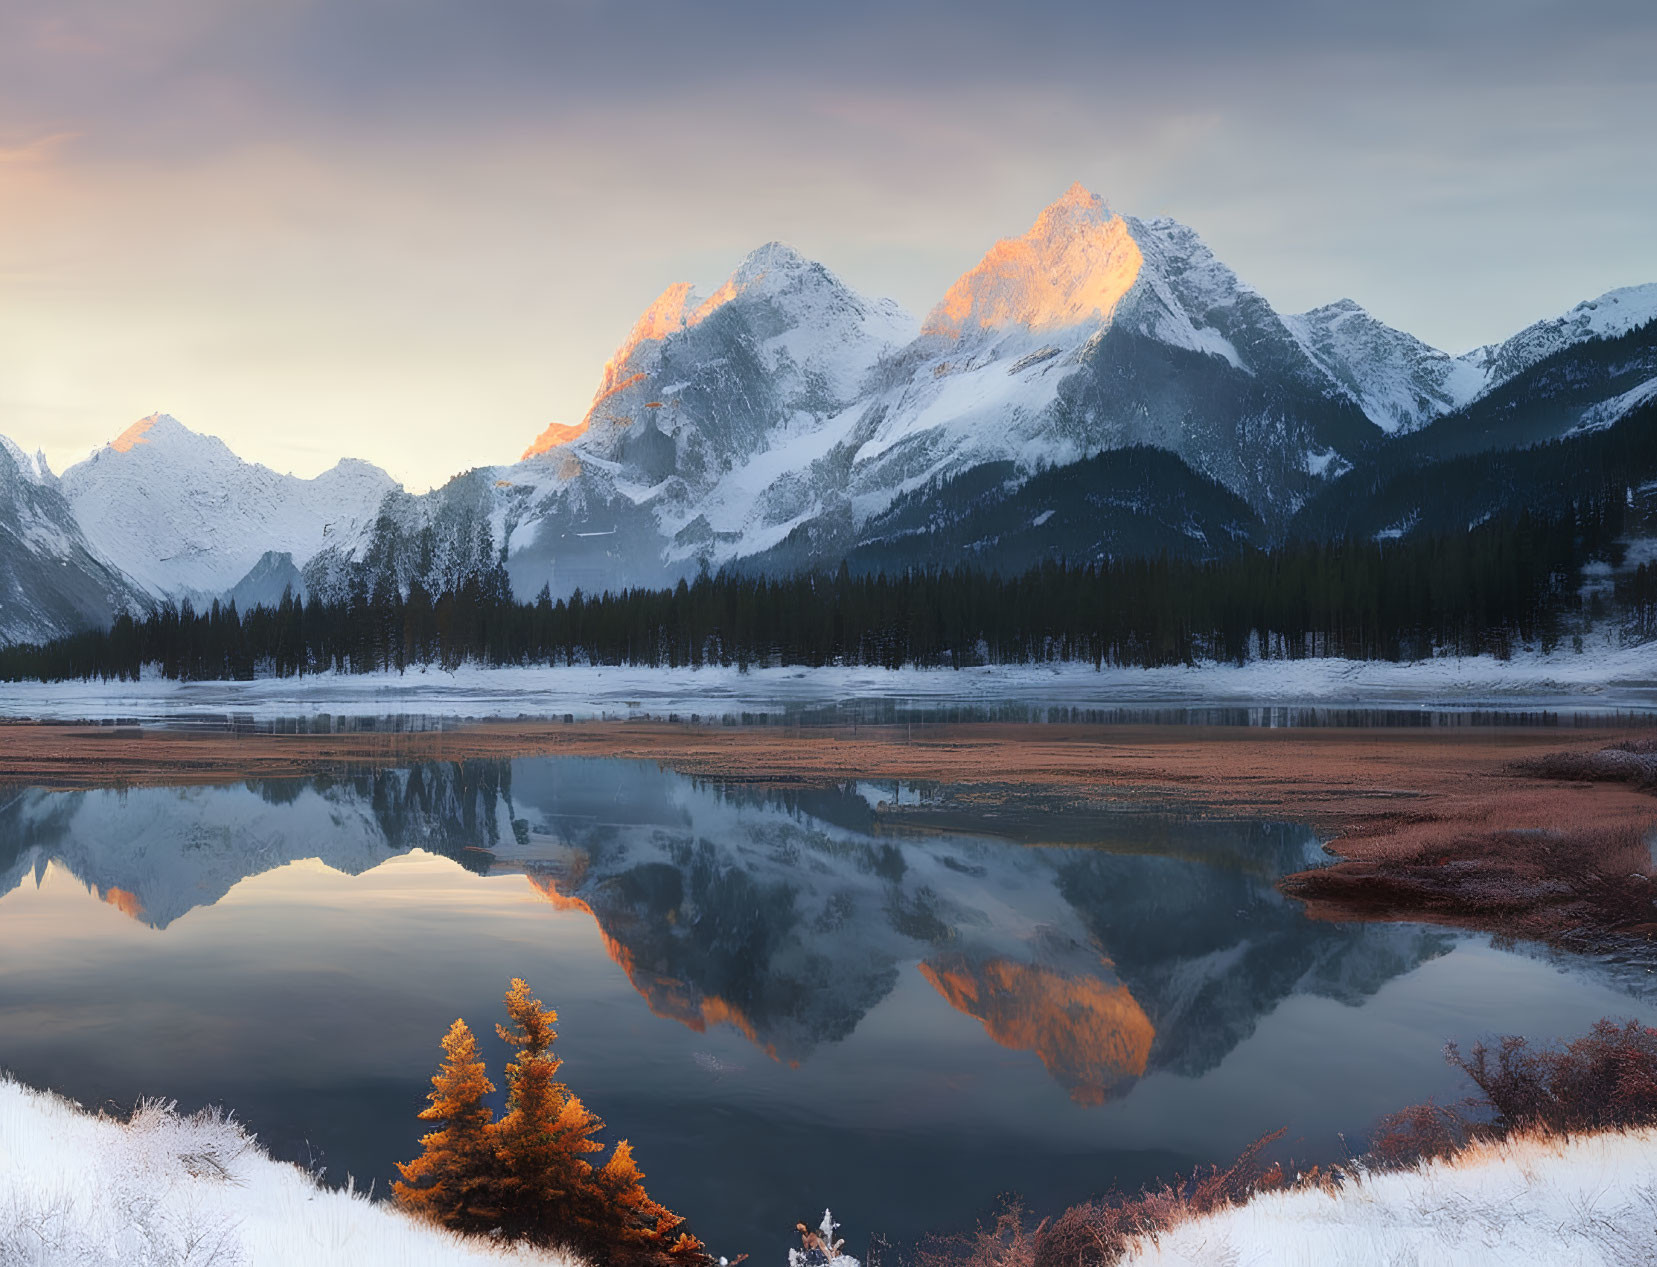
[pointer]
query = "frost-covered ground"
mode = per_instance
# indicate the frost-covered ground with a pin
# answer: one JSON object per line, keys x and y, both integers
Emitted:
{"x": 165, "y": 1191}
{"x": 1601, "y": 679}
{"x": 1567, "y": 1203}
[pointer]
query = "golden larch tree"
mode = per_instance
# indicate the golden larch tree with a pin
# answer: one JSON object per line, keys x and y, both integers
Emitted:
{"x": 527, "y": 1176}
{"x": 452, "y": 1181}
{"x": 542, "y": 1142}
{"x": 642, "y": 1229}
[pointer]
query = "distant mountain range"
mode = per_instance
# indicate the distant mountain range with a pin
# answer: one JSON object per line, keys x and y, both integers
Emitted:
{"x": 1100, "y": 386}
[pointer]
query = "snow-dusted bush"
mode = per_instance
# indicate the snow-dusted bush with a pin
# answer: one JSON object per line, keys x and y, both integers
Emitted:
{"x": 168, "y": 1190}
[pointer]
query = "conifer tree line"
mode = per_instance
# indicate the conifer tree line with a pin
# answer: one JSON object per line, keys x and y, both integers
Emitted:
{"x": 1637, "y": 597}
{"x": 1482, "y": 590}
{"x": 525, "y": 1176}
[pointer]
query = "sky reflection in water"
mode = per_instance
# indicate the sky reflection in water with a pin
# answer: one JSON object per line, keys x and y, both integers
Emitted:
{"x": 783, "y": 1001}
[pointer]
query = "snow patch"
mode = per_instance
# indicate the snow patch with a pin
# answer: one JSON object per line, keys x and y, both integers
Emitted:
{"x": 1608, "y": 413}
{"x": 93, "y": 1192}
{"x": 1608, "y": 678}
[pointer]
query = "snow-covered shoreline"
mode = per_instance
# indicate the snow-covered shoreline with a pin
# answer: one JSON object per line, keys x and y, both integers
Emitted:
{"x": 78, "y": 1190}
{"x": 1585, "y": 1200}
{"x": 1600, "y": 681}
{"x": 86, "y": 1190}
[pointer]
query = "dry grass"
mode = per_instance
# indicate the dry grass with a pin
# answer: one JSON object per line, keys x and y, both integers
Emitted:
{"x": 1588, "y": 889}
{"x": 1605, "y": 1081}
{"x": 1100, "y": 1232}
{"x": 1581, "y": 882}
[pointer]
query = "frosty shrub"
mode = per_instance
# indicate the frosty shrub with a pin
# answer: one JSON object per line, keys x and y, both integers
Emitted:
{"x": 1605, "y": 1080}
{"x": 1420, "y": 1133}
{"x": 1097, "y": 1233}
{"x": 137, "y": 1207}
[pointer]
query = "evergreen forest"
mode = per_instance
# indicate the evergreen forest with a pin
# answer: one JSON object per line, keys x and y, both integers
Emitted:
{"x": 1508, "y": 581}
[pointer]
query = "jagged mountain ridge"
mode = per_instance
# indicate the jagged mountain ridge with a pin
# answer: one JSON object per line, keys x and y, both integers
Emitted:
{"x": 720, "y": 431}
{"x": 1091, "y": 333}
{"x": 785, "y": 421}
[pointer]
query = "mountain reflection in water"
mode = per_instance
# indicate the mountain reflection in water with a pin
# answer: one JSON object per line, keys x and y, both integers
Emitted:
{"x": 948, "y": 1014}
{"x": 787, "y": 919}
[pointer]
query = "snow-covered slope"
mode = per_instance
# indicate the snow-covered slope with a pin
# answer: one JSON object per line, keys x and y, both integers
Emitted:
{"x": 78, "y": 1190}
{"x": 52, "y": 580}
{"x": 1613, "y": 313}
{"x": 1095, "y": 331}
{"x": 1400, "y": 382}
{"x": 705, "y": 408}
{"x": 183, "y": 516}
{"x": 1589, "y": 1201}
{"x": 795, "y": 341}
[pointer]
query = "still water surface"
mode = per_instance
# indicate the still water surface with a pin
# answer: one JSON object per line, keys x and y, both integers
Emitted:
{"x": 851, "y": 996}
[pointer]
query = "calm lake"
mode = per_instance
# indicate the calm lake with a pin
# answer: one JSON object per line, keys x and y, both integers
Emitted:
{"x": 899, "y": 1001}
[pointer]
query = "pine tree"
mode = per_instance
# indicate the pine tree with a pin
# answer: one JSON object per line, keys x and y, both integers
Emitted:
{"x": 452, "y": 1181}
{"x": 643, "y": 1230}
{"x": 546, "y": 1187}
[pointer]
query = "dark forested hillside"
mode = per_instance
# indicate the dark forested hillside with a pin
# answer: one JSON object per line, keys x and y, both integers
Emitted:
{"x": 1135, "y": 502}
{"x": 1539, "y": 404}
{"x": 1437, "y": 497}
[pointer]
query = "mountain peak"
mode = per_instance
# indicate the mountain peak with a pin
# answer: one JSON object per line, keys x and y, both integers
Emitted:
{"x": 34, "y": 469}
{"x": 1078, "y": 195}
{"x": 1071, "y": 268}
{"x": 772, "y": 257}
{"x": 798, "y": 293}
{"x": 141, "y": 431}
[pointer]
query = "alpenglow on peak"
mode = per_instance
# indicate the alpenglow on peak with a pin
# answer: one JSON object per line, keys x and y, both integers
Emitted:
{"x": 1072, "y": 267}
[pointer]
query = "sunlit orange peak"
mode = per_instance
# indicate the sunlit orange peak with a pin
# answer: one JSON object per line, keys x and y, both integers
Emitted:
{"x": 138, "y": 433}
{"x": 1072, "y": 268}
{"x": 556, "y": 434}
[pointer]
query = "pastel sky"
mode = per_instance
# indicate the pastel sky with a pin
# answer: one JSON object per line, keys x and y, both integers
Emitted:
{"x": 413, "y": 230}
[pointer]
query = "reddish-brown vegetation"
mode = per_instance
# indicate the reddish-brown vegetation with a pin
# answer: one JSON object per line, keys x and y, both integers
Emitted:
{"x": 1605, "y": 1080}
{"x": 1590, "y": 889}
{"x": 1582, "y": 882}
{"x": 1098, "y": 1232}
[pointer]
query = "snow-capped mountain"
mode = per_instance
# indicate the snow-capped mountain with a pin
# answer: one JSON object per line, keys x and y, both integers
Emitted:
{"x": 1093, "y": 332}
{"x": 184, "y": 517}
{"x": 1403, "y": 384}
{"x": 787, "y": 408}
{"x": 1398, "y": 381}
{"x": 51, "y": 578}
{"x": 709, "y": 406}
{"x": 1614, "y": 313}
{"x": 804, "y": 345}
